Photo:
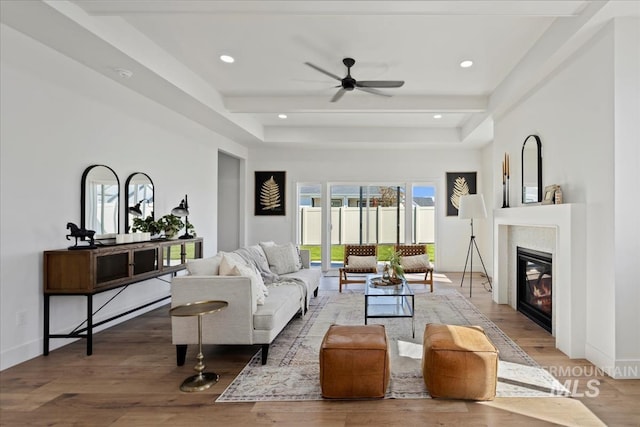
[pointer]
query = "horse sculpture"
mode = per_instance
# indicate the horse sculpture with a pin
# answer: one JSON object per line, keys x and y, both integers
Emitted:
{"x": 81, "y": 233}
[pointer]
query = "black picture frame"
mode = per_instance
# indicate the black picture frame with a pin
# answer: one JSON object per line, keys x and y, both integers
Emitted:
{"x": 454, "y": 187}
{"x": 270, "y": 194}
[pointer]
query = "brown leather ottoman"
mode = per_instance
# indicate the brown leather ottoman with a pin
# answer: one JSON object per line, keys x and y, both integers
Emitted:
{"x": 354, "y": 362}
{"x": 459, "y": 362}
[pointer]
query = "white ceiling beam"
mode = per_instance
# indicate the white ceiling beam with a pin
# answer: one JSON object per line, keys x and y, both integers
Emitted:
{"x": 349, "y": 135}
{"x": 359, "y": 7}
{"x": 359, "y": 104}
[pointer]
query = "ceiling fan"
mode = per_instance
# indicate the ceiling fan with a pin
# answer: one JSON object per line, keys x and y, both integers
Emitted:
{"x": 348, "y": 83}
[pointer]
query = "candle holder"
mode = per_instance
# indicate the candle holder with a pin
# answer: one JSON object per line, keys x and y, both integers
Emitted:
{"x": 504, "y": 194}
{"x": 505, "y": 181}
{"x": 507, "y": 193}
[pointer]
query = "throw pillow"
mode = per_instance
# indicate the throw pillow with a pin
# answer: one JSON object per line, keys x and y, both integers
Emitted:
{"x": 228, "y": 268}
{"x": 250, "y": 272}
{"x": 260, "y": 260}
{"x": 263, "y": 287}
{"x": 415, "y": 261}
{"x": 355, "y": 261}
{"x": 282, "y": 259}
{"x": 204, "y": 266}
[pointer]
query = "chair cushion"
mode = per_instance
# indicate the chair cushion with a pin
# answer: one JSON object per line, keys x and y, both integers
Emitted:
{"x": 415, "y": 262}
{"x": 355, "y": 261}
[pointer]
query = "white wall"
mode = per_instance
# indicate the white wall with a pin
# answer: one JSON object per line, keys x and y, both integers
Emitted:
{"x": 576, "y": 116}
{"x": 627, "y": 181}
{"x": 59, "y": 117}
{"x": 370, "y": 166}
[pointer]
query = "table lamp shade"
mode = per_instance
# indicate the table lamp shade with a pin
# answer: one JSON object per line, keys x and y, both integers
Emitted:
{"x": 472, "y": 207}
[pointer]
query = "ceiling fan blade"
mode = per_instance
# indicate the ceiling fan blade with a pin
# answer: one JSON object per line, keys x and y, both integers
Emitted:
{"x": 338, "y": 95}
{"x": 315, "y": 67}
{"x": 371, "y": 90}
{"x": 379, "y": 83}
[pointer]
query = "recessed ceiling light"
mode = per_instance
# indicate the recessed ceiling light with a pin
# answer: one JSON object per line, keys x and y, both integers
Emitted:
{"x": 227, "y": 58}
{"x": 124, "y": 73}
{"x": 466, "y": 63}
{"x": 437, "y": 116}
{"x": 282, "y": 116}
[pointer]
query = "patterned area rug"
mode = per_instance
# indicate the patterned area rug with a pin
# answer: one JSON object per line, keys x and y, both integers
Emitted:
{"x": 292, "y": 369}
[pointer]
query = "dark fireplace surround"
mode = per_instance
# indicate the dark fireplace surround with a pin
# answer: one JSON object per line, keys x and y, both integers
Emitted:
{"x": 535, "y": 286}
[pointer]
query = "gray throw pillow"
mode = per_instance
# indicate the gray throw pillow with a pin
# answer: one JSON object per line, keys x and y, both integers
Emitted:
{"x": 282, "y": 259}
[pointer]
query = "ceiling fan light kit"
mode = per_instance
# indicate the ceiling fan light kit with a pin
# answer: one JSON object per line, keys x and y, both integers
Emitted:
{"x": 348, "y": 83}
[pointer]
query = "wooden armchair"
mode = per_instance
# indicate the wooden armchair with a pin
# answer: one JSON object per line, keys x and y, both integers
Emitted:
{"x": 359, "y": 268}
{"x": 412, "y": 250}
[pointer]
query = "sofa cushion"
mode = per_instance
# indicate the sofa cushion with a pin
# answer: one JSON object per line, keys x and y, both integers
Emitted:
{"x": 277, "y": 308}
{"x": 282, "y": 258}
{"x": 415, "y": 261}
{"x": 204, "y": 266}
{"x": 310, "y": 276}
{"x": 355, "y": 261}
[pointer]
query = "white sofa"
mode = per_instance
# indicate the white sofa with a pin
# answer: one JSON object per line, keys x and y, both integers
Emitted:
{"x": 244, "y": 321}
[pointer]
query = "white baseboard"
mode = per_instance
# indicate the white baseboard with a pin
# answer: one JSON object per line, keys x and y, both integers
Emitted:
{"x": 627, "y": 369}
{"x": 34, "y": 348}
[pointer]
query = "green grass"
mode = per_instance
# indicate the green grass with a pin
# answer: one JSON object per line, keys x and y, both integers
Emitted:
{"x": 337, "y": 252}
{"x": 176, "y": 249}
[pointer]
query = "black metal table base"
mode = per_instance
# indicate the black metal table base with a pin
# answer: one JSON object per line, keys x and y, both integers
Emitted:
{"x": 86, "y": 332}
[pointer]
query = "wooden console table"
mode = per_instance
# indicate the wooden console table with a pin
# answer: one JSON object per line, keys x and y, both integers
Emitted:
{"x": 91, "y": 271}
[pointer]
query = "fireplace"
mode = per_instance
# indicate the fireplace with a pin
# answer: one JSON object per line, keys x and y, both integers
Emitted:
{"x": 534, "y": 286}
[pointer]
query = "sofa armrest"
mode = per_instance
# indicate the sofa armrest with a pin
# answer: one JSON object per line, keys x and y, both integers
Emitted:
{"x": 231, "y": 325}
{"x": 305, "y": 258}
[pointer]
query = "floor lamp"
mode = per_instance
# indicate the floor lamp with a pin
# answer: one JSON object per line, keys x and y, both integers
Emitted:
{"x": 472, "y": 207}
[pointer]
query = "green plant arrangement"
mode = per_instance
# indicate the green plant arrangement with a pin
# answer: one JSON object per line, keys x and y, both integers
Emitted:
{"x": 170, "y": 225}
{"x": 396, "y": 267}
{"x": 147, "y": 225}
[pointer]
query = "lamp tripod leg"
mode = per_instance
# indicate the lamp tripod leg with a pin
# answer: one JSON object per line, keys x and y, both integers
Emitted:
{"x": 483, "y": 267}
{"x": 467, "y": 260}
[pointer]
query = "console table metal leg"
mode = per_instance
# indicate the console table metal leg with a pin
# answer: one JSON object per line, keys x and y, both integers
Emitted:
{"x": 45, "y": 349}
{"x": 89, "y": 325}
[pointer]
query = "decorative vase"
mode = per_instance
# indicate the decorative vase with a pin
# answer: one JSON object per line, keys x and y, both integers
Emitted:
{"x": 171, "y": 235}
{"x": 385, "y": 274}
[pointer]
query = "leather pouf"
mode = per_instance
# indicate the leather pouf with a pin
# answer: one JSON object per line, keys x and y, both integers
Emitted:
{"x": 354, "y": 362}
{"x": 459, "y": 362}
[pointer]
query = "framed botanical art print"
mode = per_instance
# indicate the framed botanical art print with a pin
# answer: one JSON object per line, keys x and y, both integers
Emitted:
{"x": 459, "y": 184}
{"x": 270, "y": 193}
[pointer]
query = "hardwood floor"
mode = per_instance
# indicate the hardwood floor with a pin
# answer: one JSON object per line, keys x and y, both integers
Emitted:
{"x": 132, "y": 380}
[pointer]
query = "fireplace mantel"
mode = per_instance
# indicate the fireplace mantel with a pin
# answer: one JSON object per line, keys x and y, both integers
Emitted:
{"x": 569, "y": 266}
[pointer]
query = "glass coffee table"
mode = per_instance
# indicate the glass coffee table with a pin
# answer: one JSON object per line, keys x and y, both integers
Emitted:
{"x": 386, "y": 301}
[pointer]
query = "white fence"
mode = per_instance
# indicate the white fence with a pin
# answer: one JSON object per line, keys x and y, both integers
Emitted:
{"x": 379, "y": 225}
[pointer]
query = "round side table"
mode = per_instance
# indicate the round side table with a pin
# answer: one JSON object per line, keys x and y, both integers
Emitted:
{"x": 202, "y": 380}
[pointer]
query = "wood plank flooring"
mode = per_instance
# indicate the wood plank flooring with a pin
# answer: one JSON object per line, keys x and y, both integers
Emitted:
{"x": 132, "y": 380}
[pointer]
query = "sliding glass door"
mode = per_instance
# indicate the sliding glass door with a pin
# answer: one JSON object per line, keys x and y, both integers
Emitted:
{"x": 363, "y": 214}
{"x": 366, "y": 214}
